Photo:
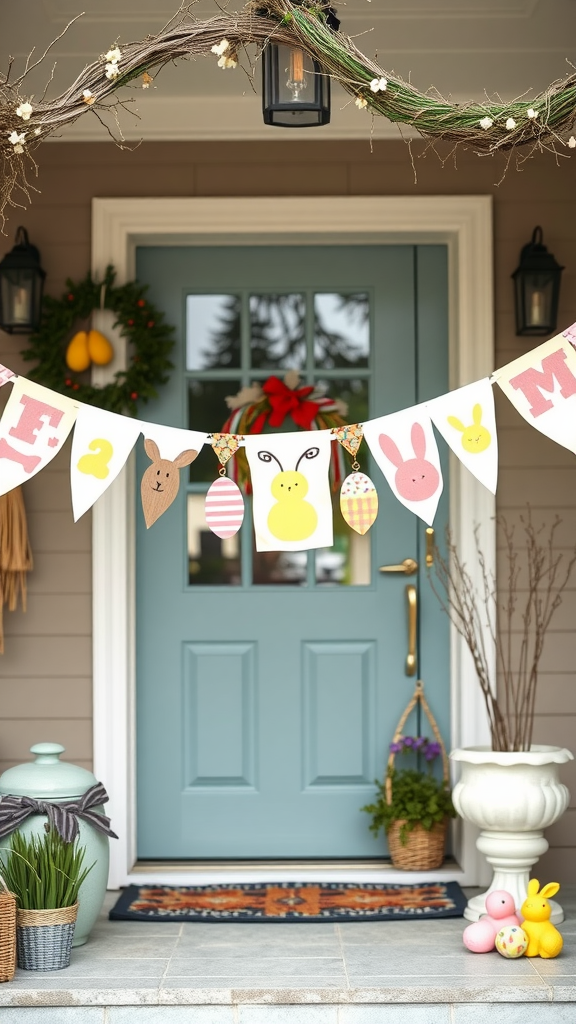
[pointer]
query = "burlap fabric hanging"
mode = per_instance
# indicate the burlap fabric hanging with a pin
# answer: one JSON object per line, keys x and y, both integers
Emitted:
{"x": 15, "y": 554}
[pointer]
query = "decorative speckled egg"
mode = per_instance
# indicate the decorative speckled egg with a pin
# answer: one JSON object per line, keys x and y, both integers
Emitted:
{"x": 511, "y": 942}
{"x": 359, "y": 502}
{"x": 224, "y": 507}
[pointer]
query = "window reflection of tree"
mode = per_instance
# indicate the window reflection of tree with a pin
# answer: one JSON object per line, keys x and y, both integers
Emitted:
{"x": 278, "y": 332}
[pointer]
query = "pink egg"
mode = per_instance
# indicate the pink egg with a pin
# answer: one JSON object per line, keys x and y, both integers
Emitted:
{"x": 224, "y": 507}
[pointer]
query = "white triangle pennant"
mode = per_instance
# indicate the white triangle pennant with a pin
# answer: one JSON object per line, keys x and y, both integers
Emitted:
{"x": 35, "y": 425}
{"x": 101, "y": 445}
{"x": 467, "y": 421}
{"x": 404, "y": 447}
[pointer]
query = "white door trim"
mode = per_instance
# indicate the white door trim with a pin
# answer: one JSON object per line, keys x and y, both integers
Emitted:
{"x": 464, "y": 224}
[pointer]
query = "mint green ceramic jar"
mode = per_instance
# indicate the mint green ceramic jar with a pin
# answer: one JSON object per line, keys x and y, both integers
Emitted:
{"x": 48, "y": 778}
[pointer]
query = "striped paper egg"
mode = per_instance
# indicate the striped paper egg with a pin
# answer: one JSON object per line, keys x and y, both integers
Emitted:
{"x": 359, "y": 502}
{"x": 224, "y": 507}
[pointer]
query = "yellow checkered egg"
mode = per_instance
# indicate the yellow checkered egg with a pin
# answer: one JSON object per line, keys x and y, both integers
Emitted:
{"x": 359, "y": 502}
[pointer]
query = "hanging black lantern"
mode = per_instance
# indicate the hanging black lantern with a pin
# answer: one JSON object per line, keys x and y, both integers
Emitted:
{"x": 295, "y": 92}
{"x": 537, "y": 288}
{"x": 21, "y": 284}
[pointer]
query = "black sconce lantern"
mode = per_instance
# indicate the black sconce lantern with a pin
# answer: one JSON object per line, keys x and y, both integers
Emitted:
{"x": 537, "y": 288}
{"x": 295, "y": 92}
{"x": 21, "y": 284}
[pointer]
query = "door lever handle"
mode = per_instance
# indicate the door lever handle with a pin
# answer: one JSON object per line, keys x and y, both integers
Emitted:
{"x": 409, "y": 566}
{"x": 412, "y": 631}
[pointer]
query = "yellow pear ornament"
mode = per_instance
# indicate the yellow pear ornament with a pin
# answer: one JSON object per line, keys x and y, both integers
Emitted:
{"x": 99, "y": 348}
{"x": 77, "y": 354}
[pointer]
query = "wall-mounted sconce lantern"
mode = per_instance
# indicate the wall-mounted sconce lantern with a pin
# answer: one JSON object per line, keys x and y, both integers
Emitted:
{"x": 295, "y": 91}
{"x": 21, "y": 285}
{"x": 537, "y": 288}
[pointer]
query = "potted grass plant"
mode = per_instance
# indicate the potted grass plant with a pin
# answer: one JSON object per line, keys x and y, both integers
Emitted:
{"x": 510, "y": 790}
{"x": 44, "y": 873}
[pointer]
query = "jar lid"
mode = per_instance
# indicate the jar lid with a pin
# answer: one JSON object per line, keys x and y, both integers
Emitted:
{"x": 46, "y": 776}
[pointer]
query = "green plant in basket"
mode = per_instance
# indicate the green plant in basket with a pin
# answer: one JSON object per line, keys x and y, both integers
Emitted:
{"x": 44, "y": 872}
{"x": 411, "y": 795}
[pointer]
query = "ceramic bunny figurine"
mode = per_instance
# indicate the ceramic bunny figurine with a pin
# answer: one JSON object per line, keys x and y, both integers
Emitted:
{"x": 480, "y": 936}
{"x": 543, "y": 938}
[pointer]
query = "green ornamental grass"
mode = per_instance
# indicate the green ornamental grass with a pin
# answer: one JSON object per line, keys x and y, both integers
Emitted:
{"x": 44, "y": 872}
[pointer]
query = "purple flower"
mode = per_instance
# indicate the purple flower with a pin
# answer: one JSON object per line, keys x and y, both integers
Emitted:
{"x": 408, "y": 741}
{"x": 420, "y": 742}
{"x": 432, "y": 751}
{"x": 395, "y": 748}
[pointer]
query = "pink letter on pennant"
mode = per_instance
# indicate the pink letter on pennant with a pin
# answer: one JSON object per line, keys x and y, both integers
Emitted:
{"x": 530, "y": 381}
{"x": 30, "y": 422}
{"x": 28, "y": 462}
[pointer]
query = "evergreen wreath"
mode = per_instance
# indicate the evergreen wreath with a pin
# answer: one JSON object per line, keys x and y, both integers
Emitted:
{"x": 151, "y": 341}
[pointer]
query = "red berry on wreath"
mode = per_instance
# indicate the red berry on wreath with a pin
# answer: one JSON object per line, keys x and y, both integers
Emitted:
{"x": 130, "y": 323}
{"x": 134, "y": 396}
{"x": 141, "y": 303}
{"x": 150, "y": 323}
{"x": 75, "y": 387}
{"x": 70, "y": 297}
{"x": 68, "y": 382}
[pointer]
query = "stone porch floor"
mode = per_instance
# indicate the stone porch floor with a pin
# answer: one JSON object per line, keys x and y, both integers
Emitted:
{"x": 401, "y": 972}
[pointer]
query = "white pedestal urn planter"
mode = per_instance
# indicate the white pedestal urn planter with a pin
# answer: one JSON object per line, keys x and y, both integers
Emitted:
{"x": 511, "y": 796}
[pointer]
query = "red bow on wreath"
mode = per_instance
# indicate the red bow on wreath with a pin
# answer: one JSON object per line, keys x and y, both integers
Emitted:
{"x": 287, "y": 402}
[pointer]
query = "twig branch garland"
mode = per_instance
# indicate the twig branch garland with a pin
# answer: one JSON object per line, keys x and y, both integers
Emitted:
{"x": 541, "y": 123}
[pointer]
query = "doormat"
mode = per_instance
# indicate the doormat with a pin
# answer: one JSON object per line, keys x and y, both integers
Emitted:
{"x": 289, "y": 901}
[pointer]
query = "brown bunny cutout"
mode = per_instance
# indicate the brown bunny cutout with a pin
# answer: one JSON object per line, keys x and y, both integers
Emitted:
{"x": 161, "y": 481}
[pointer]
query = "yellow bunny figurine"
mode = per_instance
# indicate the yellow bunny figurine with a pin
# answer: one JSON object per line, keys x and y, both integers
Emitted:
{"x": 543, "y": 938}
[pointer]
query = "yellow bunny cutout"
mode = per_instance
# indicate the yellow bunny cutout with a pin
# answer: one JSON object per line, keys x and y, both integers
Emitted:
{"x": 475, "y": 438}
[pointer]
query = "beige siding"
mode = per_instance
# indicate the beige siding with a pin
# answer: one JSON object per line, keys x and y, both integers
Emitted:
{"x": 45, "y": 675}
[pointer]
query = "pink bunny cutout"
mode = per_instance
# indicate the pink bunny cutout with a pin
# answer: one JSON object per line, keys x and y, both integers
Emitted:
{"x": 416, "y": 479}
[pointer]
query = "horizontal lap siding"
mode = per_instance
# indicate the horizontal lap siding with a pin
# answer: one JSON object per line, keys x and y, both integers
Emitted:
{"x": 45, "y": 675}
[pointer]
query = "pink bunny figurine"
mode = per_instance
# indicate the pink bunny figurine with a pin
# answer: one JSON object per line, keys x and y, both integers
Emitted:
{"x": 416, "y": 479}
{"x": 480, "y": 936}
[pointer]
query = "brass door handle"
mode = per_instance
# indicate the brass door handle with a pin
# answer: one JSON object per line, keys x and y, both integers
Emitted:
{"x": 409, "y": 566}
{"x": 412, "y": 631}
{"x": 429, "y": 547}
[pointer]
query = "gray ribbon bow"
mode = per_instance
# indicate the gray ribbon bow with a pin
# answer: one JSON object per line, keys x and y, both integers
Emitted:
{"x": 62, "y": 816}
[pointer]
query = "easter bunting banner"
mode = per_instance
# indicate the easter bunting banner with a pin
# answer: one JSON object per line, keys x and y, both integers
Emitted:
{"x": 290, "y": 472}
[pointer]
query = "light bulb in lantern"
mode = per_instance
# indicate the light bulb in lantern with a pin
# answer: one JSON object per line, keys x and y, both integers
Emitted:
{"x": 537, "y": 307}
{"x": 296, "y": 76}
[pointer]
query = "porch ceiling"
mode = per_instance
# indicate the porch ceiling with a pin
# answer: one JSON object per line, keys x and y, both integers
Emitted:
{"x": 461, "y": 47}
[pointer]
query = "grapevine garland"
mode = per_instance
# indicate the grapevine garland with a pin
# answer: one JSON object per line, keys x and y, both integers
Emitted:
{"x": 150, "y": 339}
{"x": 488, "y": 127}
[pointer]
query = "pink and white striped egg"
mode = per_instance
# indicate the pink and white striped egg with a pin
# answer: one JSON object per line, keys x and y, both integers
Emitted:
{"x": 224, "y": 507}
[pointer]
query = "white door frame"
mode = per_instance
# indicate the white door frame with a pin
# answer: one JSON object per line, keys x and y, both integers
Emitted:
{"x": 464, "y": 224}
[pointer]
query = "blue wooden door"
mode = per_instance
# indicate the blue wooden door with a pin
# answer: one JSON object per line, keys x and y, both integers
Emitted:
{"x": 269, "y": 685}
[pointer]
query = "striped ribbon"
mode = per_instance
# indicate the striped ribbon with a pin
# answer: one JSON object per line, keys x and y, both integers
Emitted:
{"x": 62, "y": 816}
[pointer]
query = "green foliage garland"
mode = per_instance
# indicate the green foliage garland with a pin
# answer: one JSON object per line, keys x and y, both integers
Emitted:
{"x": 151, "y": 341}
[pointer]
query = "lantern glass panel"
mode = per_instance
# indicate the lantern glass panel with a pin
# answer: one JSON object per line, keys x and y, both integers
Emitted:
{"x": 296, "y": 94}
{"x": 21, "y": 296}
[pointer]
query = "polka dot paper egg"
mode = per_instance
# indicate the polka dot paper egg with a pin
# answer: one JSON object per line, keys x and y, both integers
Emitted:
{"x": 511, "y": 942}
{"x": 224, "y": 507}
{"x": 359, "y": 502}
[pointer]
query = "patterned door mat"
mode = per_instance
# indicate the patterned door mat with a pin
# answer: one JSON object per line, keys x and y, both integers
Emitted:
{"x": 289, "y": 901}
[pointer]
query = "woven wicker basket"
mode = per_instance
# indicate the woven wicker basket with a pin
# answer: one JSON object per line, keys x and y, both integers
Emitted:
{"x": 44, "y": 938}
{"x": 423, "y": 849}
{"x": 7, "y": 933}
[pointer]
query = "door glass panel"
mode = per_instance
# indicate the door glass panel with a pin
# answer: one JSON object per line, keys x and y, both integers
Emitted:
{"x": 341, "y": 330}
{"x": 207, "y": 410}
{"x": 211, "y": 561}
{"x": 278, "y": 331}
{"x": 213, "y": 331}
{"x": 275, "y": 568}
{"x": 355, "y": 394}
{"x": 348, "y": 562}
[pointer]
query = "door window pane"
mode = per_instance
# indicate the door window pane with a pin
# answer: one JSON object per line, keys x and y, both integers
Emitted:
{"x": 211, "y": 560}
{"x": 356, "y": 395}
{"x": 341, "y": 330}
{"x": 279, "y": 567}
{"x": 278, "y": 332}
{"x": 207, "y": 410}
{"x": 213, "y": 331}
{"x": 348, "y": 562}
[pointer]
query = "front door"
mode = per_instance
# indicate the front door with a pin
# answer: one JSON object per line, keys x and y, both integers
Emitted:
{"x": 269, "y": 685}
